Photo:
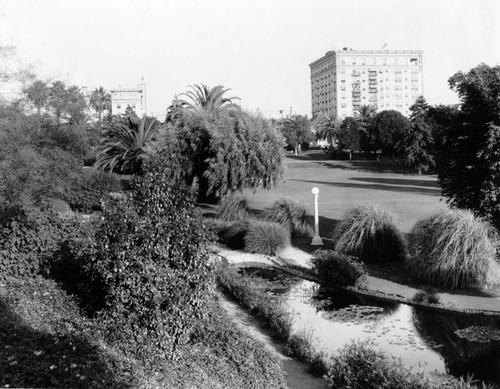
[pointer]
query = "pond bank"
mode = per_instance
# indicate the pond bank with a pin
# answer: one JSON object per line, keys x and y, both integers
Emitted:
{"x": 373, "y": 286}
{"x": 297, "y": 376}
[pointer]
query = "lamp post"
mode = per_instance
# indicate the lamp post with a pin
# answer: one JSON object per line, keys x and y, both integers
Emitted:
{"x": 316, "y": 241}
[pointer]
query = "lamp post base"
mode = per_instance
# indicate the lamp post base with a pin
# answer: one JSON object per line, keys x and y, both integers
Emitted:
{"x": 316, "y": 241}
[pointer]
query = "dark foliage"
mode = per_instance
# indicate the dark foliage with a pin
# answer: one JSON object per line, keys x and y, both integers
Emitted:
{"x": 386, "y": 130}
{"x": 469, "y": 167}
{"x": 151, "y": 253}
{"x": 337, "y": 269}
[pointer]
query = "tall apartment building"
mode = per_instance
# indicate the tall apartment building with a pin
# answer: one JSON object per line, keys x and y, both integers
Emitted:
{"x": 345, "y": 79}
{"x": 133, "y": 98}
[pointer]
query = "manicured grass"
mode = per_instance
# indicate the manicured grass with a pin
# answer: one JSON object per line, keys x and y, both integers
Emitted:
{"x": 343, "y": 183}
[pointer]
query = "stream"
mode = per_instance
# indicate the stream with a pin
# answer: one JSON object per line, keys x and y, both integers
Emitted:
{"x": 434, "y": 341}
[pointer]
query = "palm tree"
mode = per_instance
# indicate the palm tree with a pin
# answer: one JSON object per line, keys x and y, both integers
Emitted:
{"x": 364, "y": 114}
{"x": 328, "y": 128}
{"x": 100, "y": 100}
{"x": 124, "y": 145}
{"x": 38, "y": 94}
{"x": 202, "y": 97}
{"x": 57, "y": 98}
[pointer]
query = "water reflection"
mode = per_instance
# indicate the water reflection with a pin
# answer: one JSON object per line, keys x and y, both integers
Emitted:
{"x": 461, "y": 355}
{"x": 419, "y": 336}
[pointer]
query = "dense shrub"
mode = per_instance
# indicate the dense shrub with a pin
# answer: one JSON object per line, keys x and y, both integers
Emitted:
{"x": 455, "y": 249}
{"x": 233, "y": 207}
{"x": 151, "y": 252}
{"x": 360, "y": 366}
{"x": 266, "y": 237}
{"x": 290, "y": 214}
{"x": 369, "y": 233}
{"x": 337, "y": 269}
{"x": 27, "y": 237}
{"x": 234, "y": 236}
{"x": 88, "y": 191}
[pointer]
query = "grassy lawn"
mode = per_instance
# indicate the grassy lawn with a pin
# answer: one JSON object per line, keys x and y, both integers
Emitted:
{"x": 342, "y": 184}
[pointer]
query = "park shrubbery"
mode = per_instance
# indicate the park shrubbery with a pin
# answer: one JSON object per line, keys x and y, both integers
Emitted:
{"x": 290, "y": 214}
{"x": 266, "y": 237}
{"x": 455, "y": 249}
{"x": 369, "y": 232}
{"x": 337, "y": 269}
{"x": 361, "y": 366}
{"x": 233, "y": 207}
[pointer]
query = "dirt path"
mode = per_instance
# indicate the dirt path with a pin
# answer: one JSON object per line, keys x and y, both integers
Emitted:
{"x": 297, "y": 375}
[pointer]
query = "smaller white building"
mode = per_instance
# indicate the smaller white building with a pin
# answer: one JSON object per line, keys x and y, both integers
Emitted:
{"x": 121, "y": 99}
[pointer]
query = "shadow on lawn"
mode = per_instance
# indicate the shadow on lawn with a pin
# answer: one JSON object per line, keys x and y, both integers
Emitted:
{"x": 370, "y": 166}
{"x": 32, "y": 358}
{"x": 399, "y": 181}
{"x": 405, "y": 189}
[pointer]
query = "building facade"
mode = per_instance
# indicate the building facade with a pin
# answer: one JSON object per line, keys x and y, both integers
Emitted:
{"x": 343, "y": 80}
{"x": 121, "y": 99}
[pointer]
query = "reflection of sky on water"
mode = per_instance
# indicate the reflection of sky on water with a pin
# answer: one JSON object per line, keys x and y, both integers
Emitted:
{"x": 392, "y": 329}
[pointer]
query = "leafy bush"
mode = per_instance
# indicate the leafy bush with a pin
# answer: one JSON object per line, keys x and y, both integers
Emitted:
{"x": 369, "y": 233}
{"x": 88, "y": 191}
{"x": 234, "y": 207}
{"x": 266, "y": 238}
{"x": 426, "y": 297}
{"x": 359, "y": 366}
{"x": 27, "y": 237}
{"x": 337, "y": 269}
{"x": 454, "y": 249}
{"x": 290, "y": 214}
{"x": 151, "y": 252}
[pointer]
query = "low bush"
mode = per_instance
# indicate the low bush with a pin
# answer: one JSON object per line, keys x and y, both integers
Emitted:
{"x": 29, "y": 236}
{"x": 233, "y": 207}
{"x": 234, "y": 236}
{"x": 360, "y": 366}
{"x": 90, "y": 190}
{"x": 337, "y": 269}
{"x": 456, "y": 250}
{"x": 369, "y": 232}
{"x": 245, "y": 290}
{"x": 266, "y": 238}
{"x": 426, "y": 297}
{"x": 290, "y": 214}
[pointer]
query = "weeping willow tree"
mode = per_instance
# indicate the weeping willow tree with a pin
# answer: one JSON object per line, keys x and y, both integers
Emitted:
{"x": 228, "y": 151}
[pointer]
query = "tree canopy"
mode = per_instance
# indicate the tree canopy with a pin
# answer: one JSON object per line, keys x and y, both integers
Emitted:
{"x": 228, "y": 151}
{"x": 386, "y": 129}
{"x": 469, "y": 167}
{"x": 297, "y": 130}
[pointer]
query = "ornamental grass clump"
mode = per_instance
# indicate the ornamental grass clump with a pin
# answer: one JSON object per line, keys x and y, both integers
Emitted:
{"x": 266, "y": 238}
{"x": 290, "y": 214}
{"x": 455, "y": 249}
{"x": 369, "y": 232}
{"x": 234, "y": 207}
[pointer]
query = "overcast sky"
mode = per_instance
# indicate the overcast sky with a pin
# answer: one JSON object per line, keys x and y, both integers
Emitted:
{"x": 261, "y": 49}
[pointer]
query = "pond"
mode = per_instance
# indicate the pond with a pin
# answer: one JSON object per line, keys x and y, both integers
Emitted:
{"x": 436, "y": 341}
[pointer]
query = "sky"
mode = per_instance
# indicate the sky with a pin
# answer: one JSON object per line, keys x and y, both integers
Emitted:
{"x": 261, "y": 49}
